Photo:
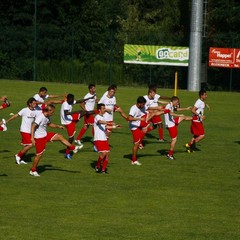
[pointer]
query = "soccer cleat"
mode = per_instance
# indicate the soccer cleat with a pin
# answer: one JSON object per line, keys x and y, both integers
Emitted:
{"x": 18, "y": 159}
{"x": 4, "y": 125}
{"x": 35, "y": 173}
{"x": 97, "y": 170}
{"x": 22, "y": 162}
{"x": 77, "y": 148}
{"x": 136, "y": 163}
{"x": 161, "y": 140}
{"x": 78, "y": 142}
{"x": 171, "y": 157}
{"x": 141, "y": 146}
{"x": 68, "y": 156}
{"x": 104, "y": 172}
{"x": 188, "y": 148}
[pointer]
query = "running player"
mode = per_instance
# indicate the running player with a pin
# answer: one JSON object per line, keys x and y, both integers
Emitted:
{"x": 197, "y": 128}
{"x": 40, "y": 137}
{"x": 88, "y": 105}
{"x": 172, "y": 123}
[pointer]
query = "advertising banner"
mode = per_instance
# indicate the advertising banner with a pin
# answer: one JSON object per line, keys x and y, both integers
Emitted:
{"x": 224, "y": 57}
{"x": 156, "y": 55}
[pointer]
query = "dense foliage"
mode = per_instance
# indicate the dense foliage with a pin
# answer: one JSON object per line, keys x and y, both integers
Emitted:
{"x": 82, "y": 41}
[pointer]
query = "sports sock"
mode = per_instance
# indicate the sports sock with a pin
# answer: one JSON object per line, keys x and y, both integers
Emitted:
{"x": 81, "y": 133}
{"x": 104, "y": 165}
{"x": 160, "y": 133}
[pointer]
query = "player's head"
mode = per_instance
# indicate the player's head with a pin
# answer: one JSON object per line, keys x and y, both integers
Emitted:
{"x": 141, "y": 101}
{"x": 49, "y": 110}
{"x": 151, "y": 92}
{"x": 92, "y": 88}
{"x": 152, "y": 87}
{"x": 31, "y": 103}
{"x": 111, "y": 91}
{"x": 70, "y": 98}
{"x": 43, "y": 91}
{"x": 114, "y": 86}
{"x": 101, "y": 108}
{"x": 202, "y": 94}
{"x": 175, "y": 101}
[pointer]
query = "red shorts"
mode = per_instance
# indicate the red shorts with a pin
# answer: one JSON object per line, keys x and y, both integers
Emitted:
{"x": 156, "y": 119}
{"x": 110, "y": 123}
{"x": 102, "y": 146}
{"x": 71, "y": 128}
{"x": 173, "y": 132}
{"x": 26, "y": 139}
{"x": 76, "y": 117}
{"x": 137, "y": 135}
{"x": 40, "y": 143}
{"x": 197, "y": 128}
{"x": 88, "y": 119}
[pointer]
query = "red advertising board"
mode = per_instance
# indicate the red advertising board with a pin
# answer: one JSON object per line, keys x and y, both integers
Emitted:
{"x": 224, "y": 57}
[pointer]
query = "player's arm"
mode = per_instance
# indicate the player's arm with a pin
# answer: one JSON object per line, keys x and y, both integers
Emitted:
{"x": 84, "y": 100}
{"x": 33, "y": 129}
{"x": 120, "y": 110}
{"x": 56, "y": 96}
{"x": 3, "y": 98}
{"x": 12, "y": 117}
{"x": 82, "y": 105}
{"x": 131, "y": 118}
{"x": 163, "y": 102}
{"x": 184, "y": 109}
{"x": 53, "y": 125}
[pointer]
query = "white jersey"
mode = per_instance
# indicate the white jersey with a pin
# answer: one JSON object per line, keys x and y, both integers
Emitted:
{"x": 42, "y": 122}
{"x": 136, "y": 113}
{"x": 90, "y": 103}
{"x": 169, "y": 119}
{"x": 40, "y": 99}
{"x": 99, "y": 129}
{"x": 28, "y": 117}
{"x": 66, "y": 119}
{"x": 200, "y": 105}
{"x": 149, "y": 101}
{"x": 155, "y": 100}
{"x": 109, "y": 102}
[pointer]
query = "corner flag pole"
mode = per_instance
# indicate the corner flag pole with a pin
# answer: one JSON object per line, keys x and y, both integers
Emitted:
{"x": 176, "y": 84}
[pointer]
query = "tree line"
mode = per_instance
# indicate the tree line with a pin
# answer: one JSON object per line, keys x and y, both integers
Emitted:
{"x": 82, "y": 41}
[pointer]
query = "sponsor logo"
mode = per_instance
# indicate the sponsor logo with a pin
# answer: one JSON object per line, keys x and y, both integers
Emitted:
{"x": 168, "y": 53}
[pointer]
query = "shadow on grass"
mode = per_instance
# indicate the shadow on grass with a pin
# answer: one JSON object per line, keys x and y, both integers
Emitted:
{"x": 238, "y": 142}
{"x": 4, "y": 151}
{"x": 3, "y": 175}
{"x": 28, "y": 157}
{"x": 44, "y": 168}
{"x": 93, "y": 164}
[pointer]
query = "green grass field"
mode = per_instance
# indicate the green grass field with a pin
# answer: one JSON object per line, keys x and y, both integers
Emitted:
{"x": 194, "y": 197}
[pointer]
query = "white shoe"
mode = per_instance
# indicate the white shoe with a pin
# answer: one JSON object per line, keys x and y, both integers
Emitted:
{"x": 136, "y": 163}
{"x": 4, "y": 125}
{"x": 77, "y": 148}
{"x": 22, "y": 162}
{"x": 35, "y": 173}
{"x": 18, "y": 159}
{"x": 78, "y": 142}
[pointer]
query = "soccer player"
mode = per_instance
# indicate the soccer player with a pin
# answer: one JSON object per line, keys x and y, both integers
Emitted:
{"x": 42, "y": 96}
{"x": 152, "y": 104}
{"x": 88, "y": 105}
{"x": 110, "y": 103}
{"x": 139, "y": 120}
{"x": 69, "y": 118}
{"x": 197, "y": 128}
{"x": 100, "y": 138}
{"x": 172, "y": 123}
{"x": 40, "y": 137}
{"x": 28, "y": 115}
{"x": 5, "y": 104}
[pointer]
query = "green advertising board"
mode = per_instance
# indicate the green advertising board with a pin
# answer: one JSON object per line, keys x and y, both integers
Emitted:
{"x": 156, "y": 55}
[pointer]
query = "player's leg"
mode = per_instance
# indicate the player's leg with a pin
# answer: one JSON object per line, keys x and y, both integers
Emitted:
{"x": 137, "y": 134}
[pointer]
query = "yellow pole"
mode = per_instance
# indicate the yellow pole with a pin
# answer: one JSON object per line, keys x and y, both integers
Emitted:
{"x": 176, "y": 84}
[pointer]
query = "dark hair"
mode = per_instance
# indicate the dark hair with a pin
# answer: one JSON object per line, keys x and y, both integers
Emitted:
{"x": 111, "y": 88}
{"x": 43, "y": 89}
{"x": 141, "y": 99}
{"x": 174, "y": 98}
{"x": 70, "y": 98}
{"x": 99, "y": 106}
{"x": 30, "y": 100}
{"x": 201, "y": 92}
{"x": 91, "y": 85}
{"x": 49, "y": 107}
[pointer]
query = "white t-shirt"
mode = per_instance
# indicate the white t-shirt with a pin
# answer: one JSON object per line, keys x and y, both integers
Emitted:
{"x": 169, "y": 119}
{"x": 42, "y": 122}
{"x": 28, "y": 117}
{"x": 200, "y": 105}
{"x": 136, "y": 113}
{"x": 90, "y": 103}
{"x": 66, "y": 119}
{"x": 99, "y": 129}
{"x": 149, "y": 101}
{"x": 109, "y": 102}
{"x": 155, "y": 100}
{"x": 40, "y": 99}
